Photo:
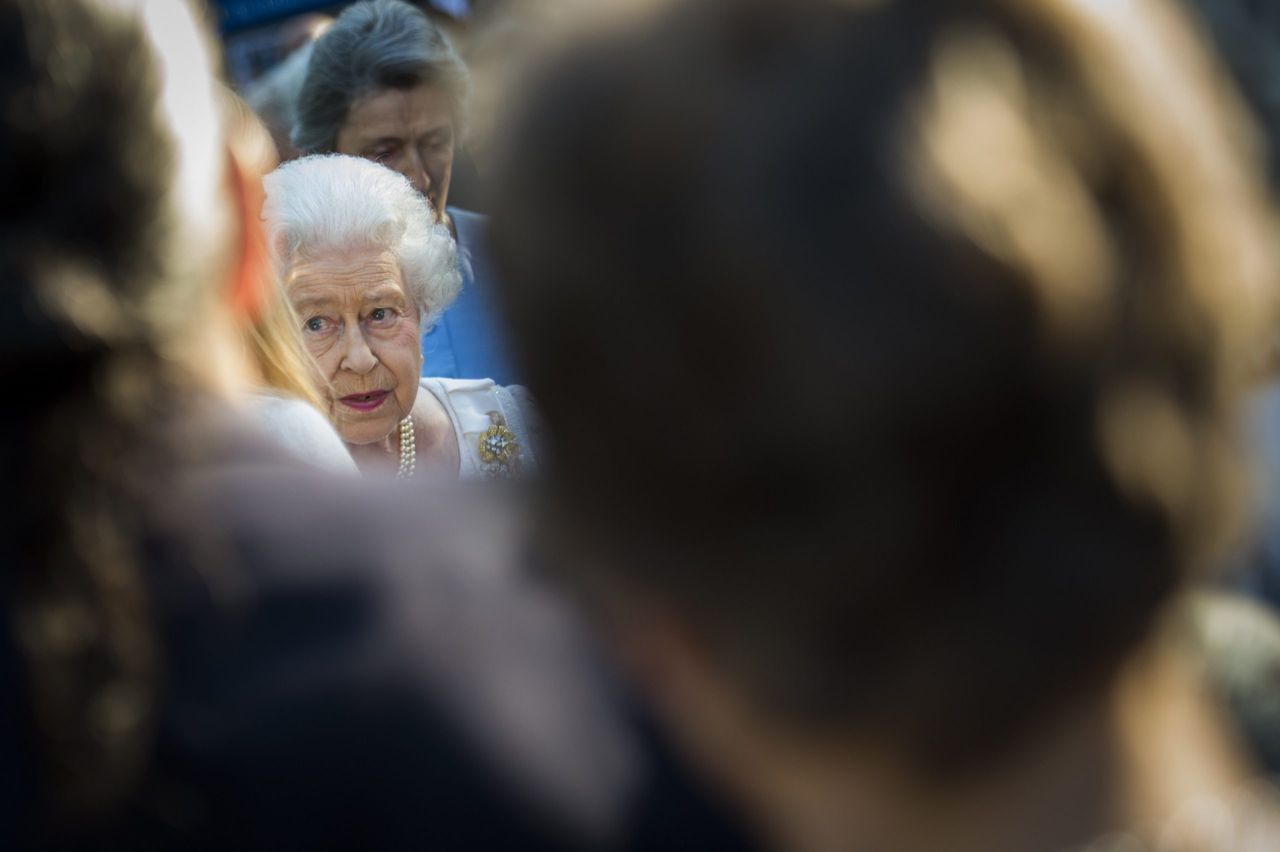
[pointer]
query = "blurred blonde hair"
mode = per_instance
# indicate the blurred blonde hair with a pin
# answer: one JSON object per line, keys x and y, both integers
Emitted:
{"x": 273, "y": 338}
{"x": 277, "y": 349}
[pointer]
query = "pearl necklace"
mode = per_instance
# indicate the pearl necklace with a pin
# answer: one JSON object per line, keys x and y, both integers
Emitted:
{"x": 408, "y": 450}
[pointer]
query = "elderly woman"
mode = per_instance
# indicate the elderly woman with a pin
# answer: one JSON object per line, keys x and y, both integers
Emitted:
{"x": 368, "y": 268}
{"x": 383, "y": 83}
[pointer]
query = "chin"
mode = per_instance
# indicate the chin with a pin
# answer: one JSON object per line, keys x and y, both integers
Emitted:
{"x": 365, "y": 433}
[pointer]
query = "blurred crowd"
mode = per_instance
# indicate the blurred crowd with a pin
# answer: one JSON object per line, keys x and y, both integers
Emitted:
{"x": 667, "y": 424}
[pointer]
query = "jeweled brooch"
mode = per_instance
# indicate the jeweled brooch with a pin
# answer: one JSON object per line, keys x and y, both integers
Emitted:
{"x": 499, "y": 452}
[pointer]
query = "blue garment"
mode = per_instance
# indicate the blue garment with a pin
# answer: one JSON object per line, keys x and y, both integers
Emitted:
{"x": 468, "y": 341}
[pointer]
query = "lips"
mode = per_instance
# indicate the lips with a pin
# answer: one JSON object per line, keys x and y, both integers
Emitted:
{"x": 365, "y": 401}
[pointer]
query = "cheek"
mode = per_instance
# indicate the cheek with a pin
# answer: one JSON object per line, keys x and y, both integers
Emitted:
{"x": 401, "y": 353}
{"x": 328, "y": 358}
{"x": 441, "y": 167}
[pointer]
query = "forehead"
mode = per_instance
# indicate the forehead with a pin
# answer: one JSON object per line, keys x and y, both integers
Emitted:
{"x": 400, "y": 113}
{"x": 344, "y": 276}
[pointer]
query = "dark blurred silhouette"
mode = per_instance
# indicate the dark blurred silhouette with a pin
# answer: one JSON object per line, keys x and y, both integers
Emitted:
{"x": 274, "y": 97}
{"x": 203, "y": 644}
{"x": 916, "y": 334}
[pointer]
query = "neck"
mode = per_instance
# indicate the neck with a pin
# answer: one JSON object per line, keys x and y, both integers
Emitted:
{"x": 1130, "y": 761}
{"x": 379, "y": 456}
{"x": 435, "y": 444}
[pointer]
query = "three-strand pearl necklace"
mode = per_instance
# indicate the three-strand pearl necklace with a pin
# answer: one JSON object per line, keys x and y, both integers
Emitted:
{"x": 408, "y": 450}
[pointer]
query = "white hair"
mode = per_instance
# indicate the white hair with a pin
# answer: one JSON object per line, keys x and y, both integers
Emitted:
{"x": 333, "y": 203}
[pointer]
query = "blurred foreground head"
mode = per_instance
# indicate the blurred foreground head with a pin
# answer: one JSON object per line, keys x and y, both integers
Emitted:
{"x": 912, "y": 334}
{"x": 116, "y": 214}
{"x": 118, "y": 252}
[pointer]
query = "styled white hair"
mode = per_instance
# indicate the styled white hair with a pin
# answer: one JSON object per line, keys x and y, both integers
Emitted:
{"x": 333, "y": 203}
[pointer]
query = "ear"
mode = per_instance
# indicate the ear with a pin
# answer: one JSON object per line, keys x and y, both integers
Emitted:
{"x": 249, "y": 267}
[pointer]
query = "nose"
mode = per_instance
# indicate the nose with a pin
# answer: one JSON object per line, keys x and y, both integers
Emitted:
{"x": 416, "y": 171}
{"x": 357, "y": 357}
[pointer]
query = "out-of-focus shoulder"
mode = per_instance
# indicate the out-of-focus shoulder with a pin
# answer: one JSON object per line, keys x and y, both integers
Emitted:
{"x": 303, "y": 431}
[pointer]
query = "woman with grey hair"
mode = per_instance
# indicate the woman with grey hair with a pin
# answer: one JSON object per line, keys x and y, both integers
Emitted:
{"x": 383, "y": 83}
{"x": 368, "y": 268}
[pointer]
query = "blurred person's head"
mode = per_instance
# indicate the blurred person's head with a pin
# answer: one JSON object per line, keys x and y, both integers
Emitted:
{"x": 914, "y": 332}
{"x": 383, "y": 83}
{"x": 274, "y": 97}
{"x": 128, "y": 265}
{"x": 367, "y": 270}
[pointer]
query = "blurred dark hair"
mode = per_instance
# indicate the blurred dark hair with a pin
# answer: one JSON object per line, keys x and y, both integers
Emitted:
{"x": 86, "y": 168}
{"x": 893, "y": 345}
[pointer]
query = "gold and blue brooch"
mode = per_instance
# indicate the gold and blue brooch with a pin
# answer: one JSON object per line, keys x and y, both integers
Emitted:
{"x": 499, "y": 450}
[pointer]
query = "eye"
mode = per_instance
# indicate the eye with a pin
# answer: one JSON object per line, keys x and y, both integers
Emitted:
{"x": 316, "y": 325}
{"x": 382, "y": 315}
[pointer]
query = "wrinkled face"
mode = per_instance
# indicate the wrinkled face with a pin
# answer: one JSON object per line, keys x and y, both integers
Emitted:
{"x": 361, "y": 326}
{"x": 408, "y": 130}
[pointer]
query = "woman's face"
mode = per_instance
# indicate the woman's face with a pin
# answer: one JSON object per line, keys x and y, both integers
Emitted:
{"x": 361, "y": 326}
{"x": 409, "y": 131}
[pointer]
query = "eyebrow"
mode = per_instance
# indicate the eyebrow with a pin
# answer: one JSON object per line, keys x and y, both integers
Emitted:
{"x": 383, "y": 292}
{"x": 306, "y": 303}
{"x": 380, "y": 293}
{"x": 445, "y": 129}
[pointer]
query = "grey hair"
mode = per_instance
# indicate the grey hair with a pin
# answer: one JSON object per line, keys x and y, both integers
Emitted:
{"x": 333, "y": 203}
{"x": 372, "y": 46}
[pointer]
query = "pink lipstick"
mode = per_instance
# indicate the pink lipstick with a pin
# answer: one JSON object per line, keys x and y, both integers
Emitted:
{"x": 365, "y": 401}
